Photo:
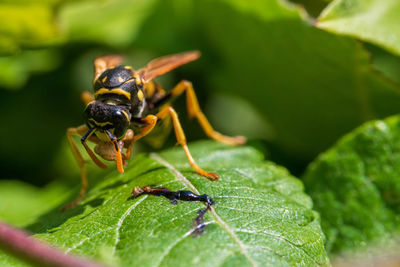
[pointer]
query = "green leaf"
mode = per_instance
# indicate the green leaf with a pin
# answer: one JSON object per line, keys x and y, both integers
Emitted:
{"x": 355, "y": 186}
{"x": 374, "y": 21}
{"x": 22, "y": 203}
{"x": 313, "y": 7}
{"x": 310, "y": 86}
{"x": 385, "y": 62}
{"x": 114, "y": 22}
{"x": 16, "y": 69}
{"x": 261, "y": 215}
{"x": 29, "y": 24}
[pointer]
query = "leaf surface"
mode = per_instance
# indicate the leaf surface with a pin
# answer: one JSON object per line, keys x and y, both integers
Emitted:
{"x": 261, "y": 215}
{"x": 310, "y": 86}
{"x": 355, "y": 186}
{"x": 21, "y": 203}
{"x": 28, "y": 24}
{"x": 374, "y": 21}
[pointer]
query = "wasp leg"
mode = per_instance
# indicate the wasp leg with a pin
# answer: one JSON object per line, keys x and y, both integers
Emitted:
{"x": 95, "y": 159}
{"x": 117, "y": 150}
{"x": 180, "y": 136}
{"x": 82, "y": 131}
{"x": 128, "y": 143}
{"x": 129, "y": 139}
{"x": 195, "y": 111}
{"x": 149, "y": 121}
{"x": 87, "y": 97}
{"x": 77, "y": 131}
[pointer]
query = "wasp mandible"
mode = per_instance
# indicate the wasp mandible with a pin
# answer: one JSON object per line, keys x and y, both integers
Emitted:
{"x": 124, "y": 98}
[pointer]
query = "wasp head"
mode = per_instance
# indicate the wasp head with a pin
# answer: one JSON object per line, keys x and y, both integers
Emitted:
{"x": 110, "y": 117}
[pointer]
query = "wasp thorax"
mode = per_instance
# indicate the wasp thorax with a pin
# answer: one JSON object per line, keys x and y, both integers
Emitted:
{"x": 114, "y": 77}
{"x": 102, "y": 116}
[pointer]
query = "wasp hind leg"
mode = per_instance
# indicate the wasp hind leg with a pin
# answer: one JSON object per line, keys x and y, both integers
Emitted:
{"x": 195, "y": 111}
{"x": 180, "y": 136}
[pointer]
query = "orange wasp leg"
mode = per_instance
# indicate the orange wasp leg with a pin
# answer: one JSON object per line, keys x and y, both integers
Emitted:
{"x": 117, "y": 150}
{"x": 180, "y": 136}
{"x": 195, "y": 111}
{"x": 128, "y": 143}
{"x": 150, "y": 122}
{"x": 87, "y": 97}
{"x": 81, "y": 130}
{"x": 130, "y": 139}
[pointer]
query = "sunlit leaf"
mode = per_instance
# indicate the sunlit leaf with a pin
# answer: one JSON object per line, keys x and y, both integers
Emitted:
{"x": 374, "y": 21}
{"x": 355, "y": 186}
{"x": 261, "y": 215}
{"x": 30, "y": 24}
{"x": 113, "y": 22}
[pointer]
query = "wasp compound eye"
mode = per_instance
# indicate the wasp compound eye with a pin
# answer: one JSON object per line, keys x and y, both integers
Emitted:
{"x": 107, "y": 117}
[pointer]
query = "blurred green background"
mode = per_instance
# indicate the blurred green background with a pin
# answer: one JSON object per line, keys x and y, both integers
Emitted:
{"x": 266, "y": 72}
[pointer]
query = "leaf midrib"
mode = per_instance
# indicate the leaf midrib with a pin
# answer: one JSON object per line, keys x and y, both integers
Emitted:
{"x": 179, "y": 176}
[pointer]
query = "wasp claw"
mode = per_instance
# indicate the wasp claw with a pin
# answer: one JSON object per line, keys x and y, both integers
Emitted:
{"x": 240, "y": 140}
{"x": 212, "y": 176}
{"x": 69, "y": 206}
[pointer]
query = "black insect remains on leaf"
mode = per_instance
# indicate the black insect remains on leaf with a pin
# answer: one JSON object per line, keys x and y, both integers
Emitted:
{"x": 198, "y": 221}
{"x": 174, "y": 196}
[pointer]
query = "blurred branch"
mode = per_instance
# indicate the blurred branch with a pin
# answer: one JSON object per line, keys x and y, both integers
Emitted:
{"x": 20, "y": 244}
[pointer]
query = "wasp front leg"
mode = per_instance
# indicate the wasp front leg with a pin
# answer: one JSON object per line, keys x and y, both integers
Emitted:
{"x": 128, "y": 141}
{"x": 195, "y": 111}
{"x": 87, "y": 97}
{"x": 83, "y": 131}
{"x": 180, "y": 136}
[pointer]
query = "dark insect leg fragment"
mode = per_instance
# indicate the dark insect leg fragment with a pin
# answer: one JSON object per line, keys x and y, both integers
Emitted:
{"x": 198, "y": 222}
{"x": 174, "y": 196}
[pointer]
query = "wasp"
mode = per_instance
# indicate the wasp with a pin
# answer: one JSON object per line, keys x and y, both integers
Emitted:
{"x": 126, "y": 99}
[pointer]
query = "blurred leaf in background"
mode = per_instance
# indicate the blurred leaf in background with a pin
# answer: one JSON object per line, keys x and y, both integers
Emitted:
{"x": 311, "y": 86}
{"x": 374, "y": 21}
{"x": 27, "y": 23}
{"x": 112, "y": 23}
{"x": 313, "y": 7}
{"x": 21, "y": 204}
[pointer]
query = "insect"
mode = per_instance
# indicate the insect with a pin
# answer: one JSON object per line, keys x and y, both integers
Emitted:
{"x": 123, "y": 99}
{"x": 174, "y": 196}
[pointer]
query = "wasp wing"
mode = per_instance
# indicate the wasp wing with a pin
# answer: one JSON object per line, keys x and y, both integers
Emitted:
{"x": 105, "y": 62}
{"x": 162, "y": 65}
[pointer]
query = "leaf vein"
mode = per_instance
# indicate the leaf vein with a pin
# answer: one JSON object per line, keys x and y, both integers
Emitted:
{"x": 121, "y": 221}
{"x": 218, "y": 219}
